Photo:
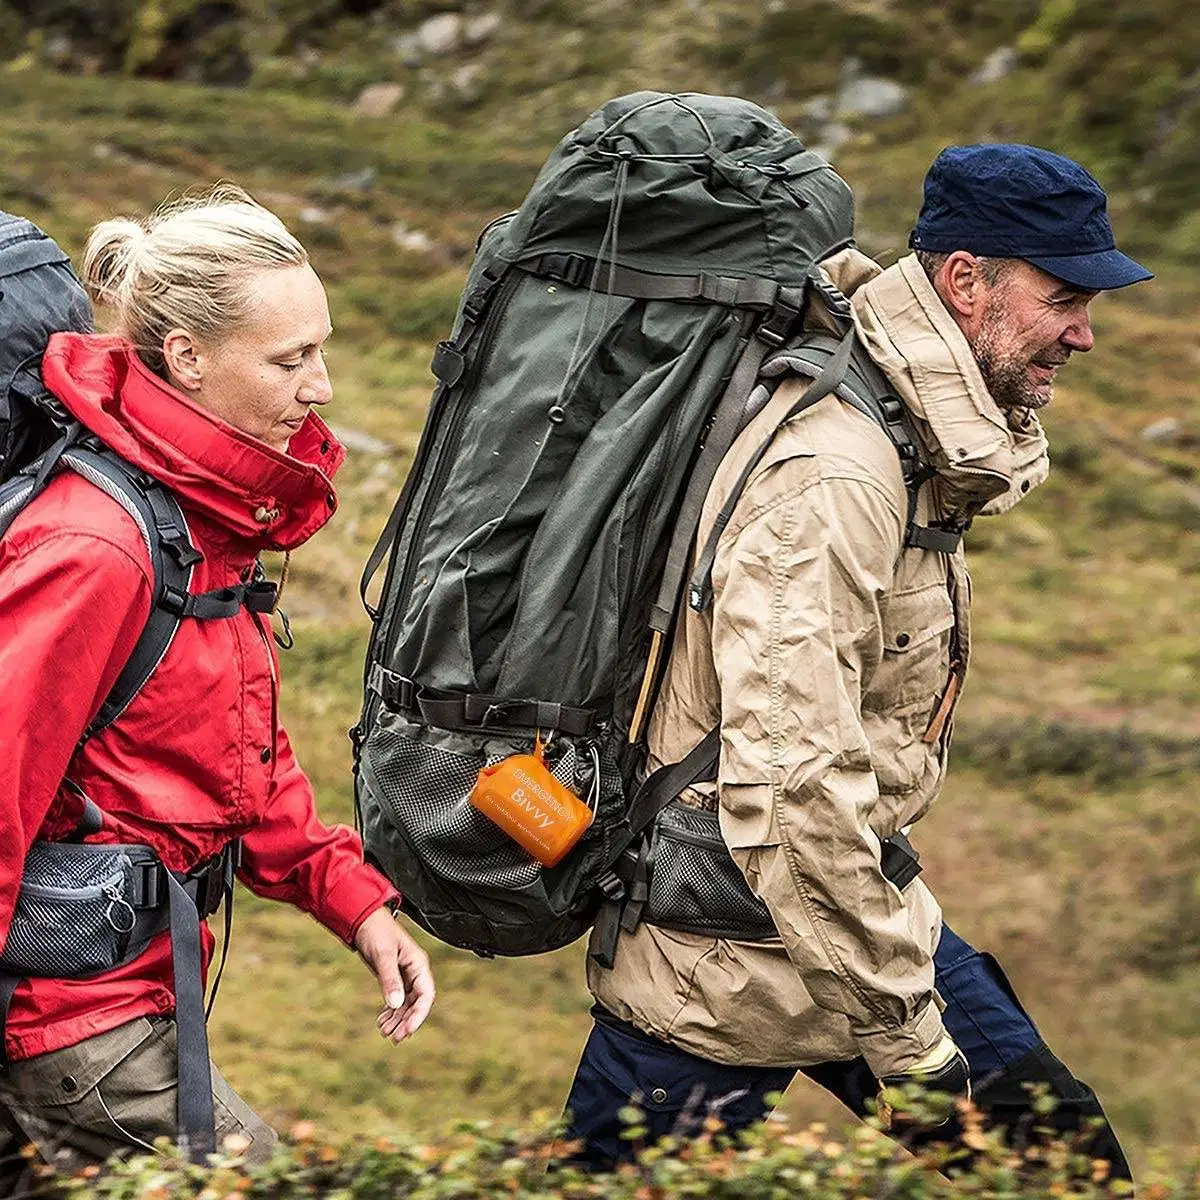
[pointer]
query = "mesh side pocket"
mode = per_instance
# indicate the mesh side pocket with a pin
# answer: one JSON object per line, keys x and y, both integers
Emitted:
{"x": 694, "y": 883}
{"x": 425, "y": 789}
{"x": 72, "y": 915}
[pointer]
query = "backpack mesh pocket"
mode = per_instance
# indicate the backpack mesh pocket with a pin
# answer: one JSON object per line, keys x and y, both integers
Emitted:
{"x": 73, "y": 914}
{"x": 695, "y": 885}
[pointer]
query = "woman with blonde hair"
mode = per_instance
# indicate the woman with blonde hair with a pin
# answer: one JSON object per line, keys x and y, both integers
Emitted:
{"x": 209, "y": 389}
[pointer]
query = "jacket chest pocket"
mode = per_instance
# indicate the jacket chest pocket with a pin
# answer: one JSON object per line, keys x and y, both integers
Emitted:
{"x": 913, "y": 667}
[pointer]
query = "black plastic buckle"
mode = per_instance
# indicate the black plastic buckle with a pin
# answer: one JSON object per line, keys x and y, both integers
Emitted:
{"x": 174, "y": 601}
{"x": 449, "y": 363}
{"x": 771, "y": 336}
{"x": 177, "y": 545}
{"x": 574, "y": 270}
{"x": 210, "y": 885}
{"x": 775, "y": 330}
{"x": 148, "y": 889}
{"x": 610, "y": 886}
{"x": 892, "y": 409}
{"x": 260, "y": 596}
{"x": 899, "y": 861}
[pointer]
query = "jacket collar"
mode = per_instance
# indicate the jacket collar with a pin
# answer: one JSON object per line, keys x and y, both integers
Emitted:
{"x": 986, "y": 462}
{"x": 272, "y": 500}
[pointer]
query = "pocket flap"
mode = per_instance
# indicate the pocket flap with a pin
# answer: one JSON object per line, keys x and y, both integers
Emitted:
{"x": 64, "y": 1076}
{"x": 912, "y": 618}
{"x": 748, "y": 816}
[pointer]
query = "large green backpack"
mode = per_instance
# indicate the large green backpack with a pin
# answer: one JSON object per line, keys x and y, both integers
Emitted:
{"x": 607, "y": 347}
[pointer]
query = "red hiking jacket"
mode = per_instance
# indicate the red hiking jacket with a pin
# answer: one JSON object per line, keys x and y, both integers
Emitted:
{"x": 199, "y": 756}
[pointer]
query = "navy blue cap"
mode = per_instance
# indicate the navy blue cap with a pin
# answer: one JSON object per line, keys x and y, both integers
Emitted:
{"x": 1000, "y": 200}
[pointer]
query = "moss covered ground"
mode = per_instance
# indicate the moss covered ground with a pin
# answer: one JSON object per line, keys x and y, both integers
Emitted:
{"x": 1068, "y": 838}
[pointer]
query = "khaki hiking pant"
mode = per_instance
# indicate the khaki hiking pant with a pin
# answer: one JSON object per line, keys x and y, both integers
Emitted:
{"x": 110, "y": 1094}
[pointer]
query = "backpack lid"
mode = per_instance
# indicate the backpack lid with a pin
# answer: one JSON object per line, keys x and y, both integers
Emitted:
{"x": 690, "y": 183}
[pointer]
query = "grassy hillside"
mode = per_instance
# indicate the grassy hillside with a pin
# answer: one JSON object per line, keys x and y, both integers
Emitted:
{"x": 1068, "y": 839}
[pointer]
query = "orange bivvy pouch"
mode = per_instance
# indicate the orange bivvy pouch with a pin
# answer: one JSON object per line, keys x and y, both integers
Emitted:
{"x": 531, "y": 806}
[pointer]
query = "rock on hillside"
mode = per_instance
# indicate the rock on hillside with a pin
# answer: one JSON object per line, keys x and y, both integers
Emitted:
{"x": 1116, "y": 83}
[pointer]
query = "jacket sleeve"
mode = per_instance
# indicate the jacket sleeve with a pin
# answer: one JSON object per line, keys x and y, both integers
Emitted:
{"x": 796, "y": 633}
{"x": 72, "y": 606}
{"x": 290, "y": 855}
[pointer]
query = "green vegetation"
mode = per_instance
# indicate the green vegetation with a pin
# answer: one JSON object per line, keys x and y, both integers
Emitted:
{"x": 1068, "y": 837}
{"x": 477, "y": 1161}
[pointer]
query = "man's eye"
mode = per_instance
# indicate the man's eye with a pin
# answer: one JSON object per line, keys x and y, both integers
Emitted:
{"x": 291, "y": 366}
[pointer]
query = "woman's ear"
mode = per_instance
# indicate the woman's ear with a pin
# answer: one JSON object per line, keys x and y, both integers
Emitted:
{"x": 181, "y": 357}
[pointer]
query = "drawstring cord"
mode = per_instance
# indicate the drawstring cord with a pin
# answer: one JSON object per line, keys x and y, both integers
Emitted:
{"x": 609, "y": 246}
{"x": 284, "y": 641}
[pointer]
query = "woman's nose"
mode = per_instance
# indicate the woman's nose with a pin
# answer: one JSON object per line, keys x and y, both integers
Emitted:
{"x": 317, "y": 387}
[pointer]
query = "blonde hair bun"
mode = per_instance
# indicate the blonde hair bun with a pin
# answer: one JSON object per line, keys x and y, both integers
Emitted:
{"x": 186, "y": 266}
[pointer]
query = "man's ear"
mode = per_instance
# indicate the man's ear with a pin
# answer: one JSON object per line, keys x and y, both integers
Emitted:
{"x": 960, "y": 285}
{"x": 182, "y": 358}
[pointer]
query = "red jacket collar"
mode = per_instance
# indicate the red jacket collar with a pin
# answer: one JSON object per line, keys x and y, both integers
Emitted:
{"x": 272, "y": 499}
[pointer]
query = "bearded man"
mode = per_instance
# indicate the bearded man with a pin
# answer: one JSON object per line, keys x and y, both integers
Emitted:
{"x": 831, "y": 659}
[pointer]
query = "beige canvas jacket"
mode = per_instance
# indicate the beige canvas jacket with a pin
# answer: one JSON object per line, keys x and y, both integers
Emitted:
{"x": 825, "y": 657}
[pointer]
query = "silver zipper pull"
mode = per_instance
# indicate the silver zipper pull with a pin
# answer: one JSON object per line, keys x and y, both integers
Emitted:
{"x": 119, "y": 911}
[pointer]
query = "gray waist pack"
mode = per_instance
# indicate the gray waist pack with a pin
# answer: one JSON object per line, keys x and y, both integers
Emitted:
{"x": 81, "y": 910}
{"x": 85, "y": 908}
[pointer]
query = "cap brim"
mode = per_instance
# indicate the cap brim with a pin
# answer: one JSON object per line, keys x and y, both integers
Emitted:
{"x": 1100, "y": 272}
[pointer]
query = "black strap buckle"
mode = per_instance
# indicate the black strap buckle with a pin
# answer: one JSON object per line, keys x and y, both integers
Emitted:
{"x": 149, "y": 885}
{"x": 899, "y": 861}
{"x": 776, "y": 329}
{"x": 449, "y": 363}
{"x": 574, "y": 270}
{"x": 174, "y": 601}
{"x": 260, "y": 596}
{"x": 610, "y": 886}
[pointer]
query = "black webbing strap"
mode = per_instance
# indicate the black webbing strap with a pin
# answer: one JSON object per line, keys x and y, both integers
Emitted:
{"x": 657, "y": 790}
{"x": 662, "y": 786}
{"x": 172, "y": 559}
{"x": 730, "y": 419}
{"x": 700, "y": 589}
{"x": 446, "y": 709}
{"x": 91, "y": 819}
{"x": 580, "y": 270}
{"x": 222, "y": 603}
{"x": 197, "y": 1123}
{"x": 449, "y": 357}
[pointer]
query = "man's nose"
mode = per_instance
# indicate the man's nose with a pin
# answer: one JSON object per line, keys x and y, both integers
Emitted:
{"x": 1078, "y": 335}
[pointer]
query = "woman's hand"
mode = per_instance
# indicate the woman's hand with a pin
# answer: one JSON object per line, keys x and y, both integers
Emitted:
{"x": 402, "y": 968}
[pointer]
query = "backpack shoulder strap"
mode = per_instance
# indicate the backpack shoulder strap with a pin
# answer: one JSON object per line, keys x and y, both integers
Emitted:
{"x": 163, "y": 527}
{"x": 161, "y": 523}
{"x": 828, "y": 379}
{"x": 867, "y": 388}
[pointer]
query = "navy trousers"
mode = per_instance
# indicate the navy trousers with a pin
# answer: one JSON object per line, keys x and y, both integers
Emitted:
{"x": 677, "y": 1091}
